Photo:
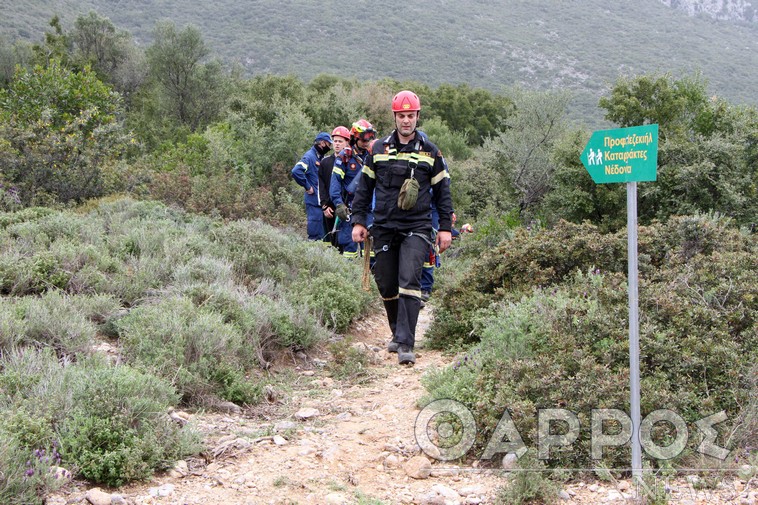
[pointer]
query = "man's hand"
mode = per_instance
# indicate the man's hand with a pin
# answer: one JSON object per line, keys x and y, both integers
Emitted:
{"x": 342, "y": 212}
{"x": 310, "y": 190}
{"x": 328, "y": 212}
{"x": 444, "y": 238}
{"x": 359, "y": 233}
{"x": 346, "y": 153}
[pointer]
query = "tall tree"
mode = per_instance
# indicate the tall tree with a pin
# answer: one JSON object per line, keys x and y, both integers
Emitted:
{"x": 191, "y": 90}
{"x": 523, "y": 152}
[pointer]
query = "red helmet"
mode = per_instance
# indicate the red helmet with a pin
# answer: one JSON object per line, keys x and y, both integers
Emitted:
{"x": 363, "y": 130}
{"x": 406, "y": 101}
{"x": 341, "y": 131}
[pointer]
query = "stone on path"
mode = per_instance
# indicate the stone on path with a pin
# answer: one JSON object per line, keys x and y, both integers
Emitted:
{"x": 418, "y": 467}
{"x": 307, "y": 413}
{"x": 96, "y": 496}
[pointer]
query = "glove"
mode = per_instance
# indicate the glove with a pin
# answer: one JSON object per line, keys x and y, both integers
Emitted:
{"x": 342, "y": 212}
{"x": 346, "y": 153}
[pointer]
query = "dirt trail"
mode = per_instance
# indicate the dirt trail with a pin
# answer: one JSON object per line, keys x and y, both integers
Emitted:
{"x": 351, "y": 450}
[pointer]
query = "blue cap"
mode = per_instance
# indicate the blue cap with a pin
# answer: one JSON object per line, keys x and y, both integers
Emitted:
{"x": 323, "y": 136}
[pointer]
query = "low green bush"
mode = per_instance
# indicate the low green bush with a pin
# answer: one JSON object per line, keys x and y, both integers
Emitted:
{"x": 339, "y": 299}
{"x": 287, "y": 324}
{"x": 53, "y": 321}
{"x": 178, "y": 342}
{"x": 23, "y": 215}
{"x": 105, "y": 423}
{"x": 540, "y": 258}
{"x": 563, "y": 343}
{"x": 528, "y": 484}
{"x": 27, "y": 476}
{"x": 117, "y": 429}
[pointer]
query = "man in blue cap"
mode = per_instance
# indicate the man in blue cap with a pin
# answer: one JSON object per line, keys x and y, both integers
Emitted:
{"x": 305, "y": 173}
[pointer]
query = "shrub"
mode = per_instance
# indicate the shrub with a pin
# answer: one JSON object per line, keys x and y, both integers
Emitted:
{"x": 53, "y": 321}
{"x": 125, "y": 435}
{"x": 23, "y": 215}
{"x": 528, "y": 484}
{"x": 530, "y": 258}
{"x": 12, "y": 325}
{"x": 178, "y": 342}
{"x": 59, "y": 127}
{"x": 337, "y": 298}
{"x": 563, "y": 343}
{"x": 27, "y": 476}
{"x": 106, "y": 423}
{"x": 289, "y": 325}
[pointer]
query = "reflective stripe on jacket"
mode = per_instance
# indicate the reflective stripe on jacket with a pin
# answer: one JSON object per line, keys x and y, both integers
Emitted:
{"x": 305, "y": 173}
{"x": 387, "y": 167}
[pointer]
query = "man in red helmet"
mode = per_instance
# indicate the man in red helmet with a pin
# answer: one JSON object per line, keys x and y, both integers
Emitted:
{"x": 402, "y": 164}
{"x": 347, "y": 167}
{"x": 340, "y": 140}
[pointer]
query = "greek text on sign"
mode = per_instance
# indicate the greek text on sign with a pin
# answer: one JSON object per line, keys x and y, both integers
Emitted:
{"x": 622, "y": 154}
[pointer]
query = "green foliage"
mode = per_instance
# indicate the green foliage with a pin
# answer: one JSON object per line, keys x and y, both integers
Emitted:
{"x": 109, "y": 51}
{"x": 198, "y": 306}
{"x": 553, "y": 328}
{"x": 189, "y": 88}
{"x": 12, "y": 54}
{"x": 574, "y": 196}
{"x": 671, "y": 104}
{"x": 528, "y": 484}
{"x": 49, "y": 321}
{"x": 538, "y": 258}
{"x": 522, "y": 153}
{"x": 105, "y": 423}
{"x": 337, "y": 297}
{"x": 27, "y": 475}
{"x": 454, "y": 146}
{"x": 175, "y": 340}
{"x": 58, "y": 128}
{"x": 704, "y": 160}
{"x": 473, "y": 113}
{"x": 23, "y": 215}
{"x": 117, "y": 430}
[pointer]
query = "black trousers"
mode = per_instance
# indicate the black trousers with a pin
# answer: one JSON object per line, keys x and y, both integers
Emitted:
{"x": 397, "y": 270}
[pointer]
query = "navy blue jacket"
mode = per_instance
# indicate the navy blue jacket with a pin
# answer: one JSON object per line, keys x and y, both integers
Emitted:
{"x": 305, "y": 173}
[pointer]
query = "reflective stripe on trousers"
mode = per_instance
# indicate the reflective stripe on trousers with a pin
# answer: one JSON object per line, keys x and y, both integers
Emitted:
{"x": 397, "y": 270}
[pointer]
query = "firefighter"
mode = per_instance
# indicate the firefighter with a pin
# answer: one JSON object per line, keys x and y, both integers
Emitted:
{"x": 401, "y": 169}
{"x": 340, "y": 140}
{"x": 362, "y": 133}
{"x": 347, "y": 165}
{"x": 305, "y": 173}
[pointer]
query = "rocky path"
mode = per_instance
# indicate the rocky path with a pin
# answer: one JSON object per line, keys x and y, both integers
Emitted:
{"x": 331, "y": 442}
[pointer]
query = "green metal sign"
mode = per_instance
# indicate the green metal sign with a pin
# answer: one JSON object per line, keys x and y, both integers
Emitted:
{"x": 623, "y": 154}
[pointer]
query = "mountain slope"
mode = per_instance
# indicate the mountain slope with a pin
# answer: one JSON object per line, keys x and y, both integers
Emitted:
{"x": 578, "y": 45}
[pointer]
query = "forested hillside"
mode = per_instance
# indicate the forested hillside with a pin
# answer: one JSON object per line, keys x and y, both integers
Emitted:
{"x": 578, "y": 46}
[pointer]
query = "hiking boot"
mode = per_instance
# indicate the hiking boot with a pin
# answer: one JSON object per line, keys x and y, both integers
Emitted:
{"x": 405, "y": 355}
{"x": 392, "y": 346}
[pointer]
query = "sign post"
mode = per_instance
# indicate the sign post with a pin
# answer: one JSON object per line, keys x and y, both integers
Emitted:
{"x": 627, "y": 155}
